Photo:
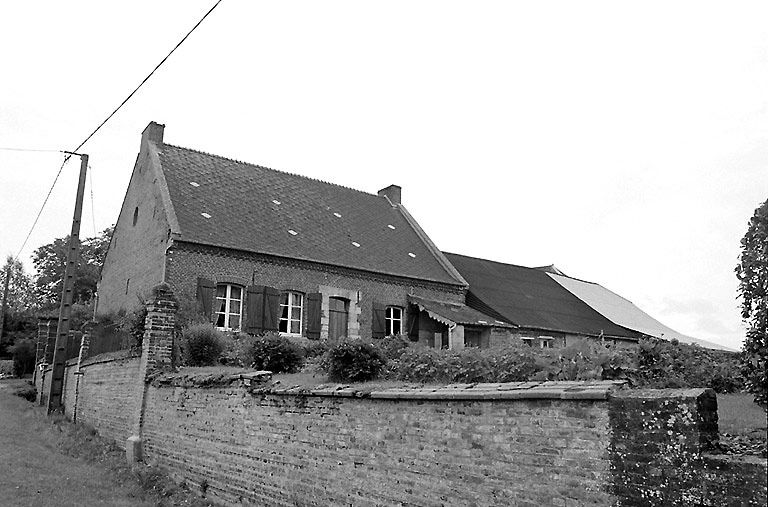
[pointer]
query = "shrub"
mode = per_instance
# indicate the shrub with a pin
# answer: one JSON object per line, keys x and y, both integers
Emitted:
{"x": 23, "y": 357}
{"x": 201, "y": 345}
{"x": 392, "y": 346}
{"x": 315, "y": 349}
{"x": 511, "y": 363}
{"x": 272, "y": 352}
{"x": 28, "y": 393}
{"x": 353, "y": 361}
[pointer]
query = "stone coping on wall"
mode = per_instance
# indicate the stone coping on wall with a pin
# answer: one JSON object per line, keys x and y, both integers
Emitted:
{"x": 111, "y": 356}
{"x": 260, "y": 382}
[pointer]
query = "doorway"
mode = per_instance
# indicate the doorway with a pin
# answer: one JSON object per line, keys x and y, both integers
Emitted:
{"x": 338, "y": 318}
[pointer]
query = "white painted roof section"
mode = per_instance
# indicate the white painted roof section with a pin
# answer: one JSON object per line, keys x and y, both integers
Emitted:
{"x": 623, "y": 312}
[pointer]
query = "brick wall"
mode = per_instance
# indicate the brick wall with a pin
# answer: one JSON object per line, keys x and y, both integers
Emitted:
{"x": 136, "y": 257}
{"x": 186, "y": 263}
{"x": 279, "y": 448}
{"x": 107, "y": 393}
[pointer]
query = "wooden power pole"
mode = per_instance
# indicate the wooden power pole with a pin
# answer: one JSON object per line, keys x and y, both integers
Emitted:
{"x": 55, "y": 390}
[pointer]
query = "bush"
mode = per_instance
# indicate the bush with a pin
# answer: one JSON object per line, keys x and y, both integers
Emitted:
{"x": 28, "y": 393}
{"x": 315, "y": 349}
{"x": 202, "y": 345}
{"x": 393, "y": 346}
{"x": 274, "y": 353}
{"x": 353, "y": 361}
{"x": 23, "y": 352}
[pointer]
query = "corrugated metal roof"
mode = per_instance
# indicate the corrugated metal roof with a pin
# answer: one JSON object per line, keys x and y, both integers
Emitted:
{"x": 528, "y": 297}
{"x": 623, "y": 312}
{"x": 232, "y": 204}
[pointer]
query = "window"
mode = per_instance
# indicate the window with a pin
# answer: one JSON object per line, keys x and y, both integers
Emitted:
{"x": 229, "y": 306}
{"x": 394, "y": 320}
{"x": 527, "y": 341}
{"x": 291, "y": 312}
{"x": 547, "y": 342}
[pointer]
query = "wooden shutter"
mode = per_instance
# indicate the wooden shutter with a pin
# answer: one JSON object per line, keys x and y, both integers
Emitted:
{"x": 271, "y": 309}
{"x": 413, "y": 323}
{"x": 379, "y": 323}
{"x": 314, "y": 311}
{"x": 254, "y": 309}
{"x": 206, "y": 290}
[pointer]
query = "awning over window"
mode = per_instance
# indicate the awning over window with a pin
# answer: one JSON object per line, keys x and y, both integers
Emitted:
{"x": 453, "y": 313}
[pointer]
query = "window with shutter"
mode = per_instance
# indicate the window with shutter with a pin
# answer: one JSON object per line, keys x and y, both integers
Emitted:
{"x": 291, "y": 312}
{"x": 254, "y": 309}
{"x": 378, "y": 323}
{"x": 393, "y": 320}
{"x": 229, "y": 306}
{"x": 206, "y": 289}
{"x": 314, "y": 312}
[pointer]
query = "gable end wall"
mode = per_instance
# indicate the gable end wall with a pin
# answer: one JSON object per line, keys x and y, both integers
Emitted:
{"x": 136, "y": 256}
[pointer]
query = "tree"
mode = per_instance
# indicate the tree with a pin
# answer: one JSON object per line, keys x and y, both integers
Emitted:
{"x": 752, "y": 272}
{"x": 17, "y": 312}
{"x": 21, "y": 295}
{"x": 50, "y": 261}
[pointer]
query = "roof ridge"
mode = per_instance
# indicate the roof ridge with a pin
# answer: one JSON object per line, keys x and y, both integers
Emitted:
{"x": 269, "y": 168}
{"x": 495, "y": 262}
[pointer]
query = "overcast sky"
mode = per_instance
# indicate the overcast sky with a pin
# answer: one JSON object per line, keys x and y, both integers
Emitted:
{"x": 624, "y": 142}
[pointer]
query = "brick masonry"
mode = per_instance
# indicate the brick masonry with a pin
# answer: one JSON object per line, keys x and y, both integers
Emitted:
{"x": 136, "y": 257}
{"x": 243, "y": 440}
{"x": 187, "y": 262}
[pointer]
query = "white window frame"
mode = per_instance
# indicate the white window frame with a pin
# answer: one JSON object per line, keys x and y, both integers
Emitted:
{"x": 390, "y": 319}
{"x": 527, "y": 340}
{"x": 228, "y": 309}
{"x": 291, "y": 317}
{"x": 549, "y": 340}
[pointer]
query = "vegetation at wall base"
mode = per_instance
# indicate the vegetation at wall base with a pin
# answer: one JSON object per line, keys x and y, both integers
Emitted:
{"x": 23, "y": 352}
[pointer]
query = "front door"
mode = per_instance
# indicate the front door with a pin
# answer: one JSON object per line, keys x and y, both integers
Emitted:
{"x": 337, "y": 317}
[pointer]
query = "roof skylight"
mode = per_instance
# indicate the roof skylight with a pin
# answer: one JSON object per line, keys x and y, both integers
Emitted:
{"x": 337, "y": 215}
{"x": 412, "y": 254}
{"x": 391, "y": 226}
{"x": 356, "y": 244}
{"x": 206, "y": 215}
{"x": 276, "y": 201}
{"x": 292, "y": 232}
{"x": 194, "y": 183}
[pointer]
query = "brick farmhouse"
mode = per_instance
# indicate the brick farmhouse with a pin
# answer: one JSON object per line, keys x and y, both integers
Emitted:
{"x": 254, "y": 249}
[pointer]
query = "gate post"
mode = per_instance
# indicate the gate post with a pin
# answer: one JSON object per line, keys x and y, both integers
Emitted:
{"x": 156, "y": 353}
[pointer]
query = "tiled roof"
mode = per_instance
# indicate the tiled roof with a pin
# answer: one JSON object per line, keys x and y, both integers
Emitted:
{"x": 232, "y": 204}
{"x": 455, "y": 313}
{"x": 528, "y": 297}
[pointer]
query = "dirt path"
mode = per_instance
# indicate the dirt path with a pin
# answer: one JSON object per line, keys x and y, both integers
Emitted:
{"x": 34, "y": 473}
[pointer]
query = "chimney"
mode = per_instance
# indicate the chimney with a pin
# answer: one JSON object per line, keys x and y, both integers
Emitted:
{"x": 153, "y": 132}
{"x": 392, "y": 193}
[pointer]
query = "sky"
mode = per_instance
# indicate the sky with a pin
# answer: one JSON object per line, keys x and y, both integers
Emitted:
{"x": 625, "y": 142}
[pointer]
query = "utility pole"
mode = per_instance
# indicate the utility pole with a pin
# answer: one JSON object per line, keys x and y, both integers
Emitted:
{"x": 65, "y": 310}
{"x": 9, "y": 267}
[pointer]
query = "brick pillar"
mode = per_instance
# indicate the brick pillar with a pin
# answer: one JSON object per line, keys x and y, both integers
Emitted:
{"x": 156, "y": 354}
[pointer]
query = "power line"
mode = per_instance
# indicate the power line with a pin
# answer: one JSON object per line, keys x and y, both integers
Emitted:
{"x": 40, "y": 212}
{"x": 74, "y": 152}
{"x": 148, "y": 76}
{"x": 4, "y": 148}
